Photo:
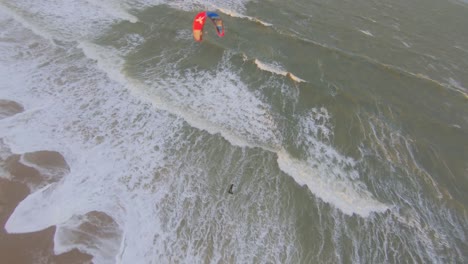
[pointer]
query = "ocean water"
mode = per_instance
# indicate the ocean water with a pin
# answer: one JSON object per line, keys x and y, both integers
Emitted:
{"x": 342, "y": 126}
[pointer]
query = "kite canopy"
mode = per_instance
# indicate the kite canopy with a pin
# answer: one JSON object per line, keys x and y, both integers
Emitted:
{"x": 199, "y": 23}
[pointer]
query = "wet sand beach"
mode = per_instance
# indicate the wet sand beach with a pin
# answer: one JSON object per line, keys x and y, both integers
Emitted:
{"x": 35, "y": 247}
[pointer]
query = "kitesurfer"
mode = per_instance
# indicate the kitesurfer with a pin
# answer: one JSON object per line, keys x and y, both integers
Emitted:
{"x": 199, "y": 23}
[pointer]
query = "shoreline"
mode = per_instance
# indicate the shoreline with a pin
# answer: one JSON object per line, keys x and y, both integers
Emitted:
{"x": 35, "y": 247}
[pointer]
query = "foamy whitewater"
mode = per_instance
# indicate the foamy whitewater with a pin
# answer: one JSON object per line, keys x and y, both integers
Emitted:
{"x": 154, "y": 128}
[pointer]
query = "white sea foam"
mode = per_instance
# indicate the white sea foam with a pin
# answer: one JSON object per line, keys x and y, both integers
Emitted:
{"x": 4, "y": 154}
{"x": 461, "y": 48}
{"x": 236, "y": 14}
{"x": 404, "y": 42}
{"x": 98, "y": 236}
{"x": 49, "y": 172}
{"x": 213, "y": 5}
{"x": 63, "y": 20}
{"x": 342, "y": 193}
{"x": 366, "y": 32}
{"x": 456, "y": 84}
{"x": 59, "y": 126}
{"x": 328, "y": 174}
{"x": 200, "y": 114}
{"x": 276, "y": 69}
{"x": 8, "y": 12}
{"x": 368, "y": 19}
{"x": 115, "y": 8}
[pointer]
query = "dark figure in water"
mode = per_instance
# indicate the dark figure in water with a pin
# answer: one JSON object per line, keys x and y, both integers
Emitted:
{"x": 230, "y": 189}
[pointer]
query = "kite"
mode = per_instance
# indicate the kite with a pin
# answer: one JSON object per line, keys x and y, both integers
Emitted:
{"x": 199, "y": 23}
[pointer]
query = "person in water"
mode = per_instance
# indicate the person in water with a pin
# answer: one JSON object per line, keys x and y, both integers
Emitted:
{"x": 219, "y": 24}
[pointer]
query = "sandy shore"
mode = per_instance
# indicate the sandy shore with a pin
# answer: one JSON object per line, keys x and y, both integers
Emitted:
{"x": 36, "y": 247}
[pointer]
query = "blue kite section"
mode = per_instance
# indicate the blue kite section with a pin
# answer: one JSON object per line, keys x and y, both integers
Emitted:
{"x": 212, "y": 15}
